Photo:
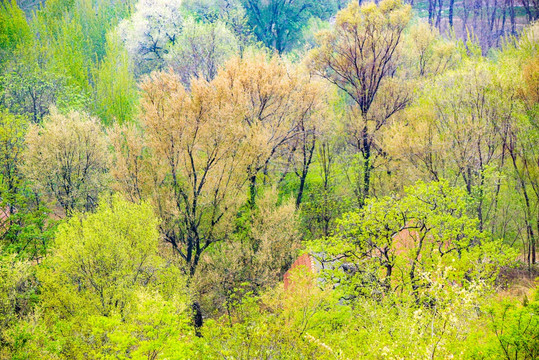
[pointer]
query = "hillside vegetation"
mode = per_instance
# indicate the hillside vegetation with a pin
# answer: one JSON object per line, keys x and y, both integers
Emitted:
{"x": 165, "y": 165}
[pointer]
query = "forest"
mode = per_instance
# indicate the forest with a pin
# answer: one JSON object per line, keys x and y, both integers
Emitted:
{"x": 269, "y": 179}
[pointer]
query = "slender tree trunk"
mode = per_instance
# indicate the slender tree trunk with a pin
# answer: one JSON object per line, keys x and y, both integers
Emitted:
{"x": 439, "y": 15}
{"x": 497, "y": 192}
{"x": 327, "y": 162}
{"x": 303, "y": 177}
{"x": 252, "y": 191}
{"x": 465, "y": 13}
{"x": 512, "y": 15}
{"x": 528, "y": 211}
{"x": 492, "y": 30}
{"x": 367, "y": 166}
{"x": 432, "y": 9}
{"x": 526, "y": 6}
{"x": 308, "y": 151}
{"x": 451, "y": 6}
{"x": 197, "y": 318}
{"x": 413, "y": 279}
{"x": 504, "y": 16}
{"x": 476, "y": 13}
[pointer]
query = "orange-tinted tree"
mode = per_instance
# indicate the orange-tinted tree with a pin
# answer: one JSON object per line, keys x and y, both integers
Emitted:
{"x": 188, "y": 163}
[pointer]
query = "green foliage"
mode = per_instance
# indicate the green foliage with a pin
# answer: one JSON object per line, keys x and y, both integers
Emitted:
{"x": 74, "y": 36}
{"x": 275, "y": 325}
{"x": 510, "y": 330}
{"x": 24, "y": 228}
{"x": 30, "y": 85}
{"x": 115, "y": 86}
{"x": 201, "y": 49}
{"x": 263, "y": 245}
{"x": 14, "y": 29}
{"x": 383, "y": 100}
{"x": 98, "y": 260}
{"x": 278, "y": 24}
{"x": 311, "y": 321}
{"x": 106, "y": 293}
{"x": 408, "y": 244}
{"x": 17, "y": 295}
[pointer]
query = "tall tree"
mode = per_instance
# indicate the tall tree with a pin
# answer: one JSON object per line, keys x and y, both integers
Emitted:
{"x": 13, "y": 26}
{"x": 115, "y": 86}
{"x": 201, "y": 49}
{"x": 30, "y": 85}
{"x": 104, "y": 276}
{"x": 360, "y": 57}
{"x": 191, "y": 165}
{"x": 272, "y": 98}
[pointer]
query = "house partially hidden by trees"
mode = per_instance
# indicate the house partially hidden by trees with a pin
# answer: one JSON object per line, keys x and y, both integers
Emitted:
{"x": 404, "y": 245}
{"x": 404, "y": 242}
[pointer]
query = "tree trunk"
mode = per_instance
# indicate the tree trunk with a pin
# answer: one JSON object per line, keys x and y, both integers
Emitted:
{"x": 367, "y": 166}
{"x": 439, "y": 14}
{"x": 308, "y": 152}
{"x": 451, "y": 6}
{"x": 252, "y": 191}
{"x": 432, "y": 9}
{"x": 512, "y": 15}
{"x": 528, "y": 210}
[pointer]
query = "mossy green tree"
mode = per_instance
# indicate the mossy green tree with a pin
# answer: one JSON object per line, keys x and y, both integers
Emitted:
{"x": 106, "y": 292}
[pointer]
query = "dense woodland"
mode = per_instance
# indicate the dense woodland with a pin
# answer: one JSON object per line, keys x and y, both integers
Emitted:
{"x": 163, "y": 163}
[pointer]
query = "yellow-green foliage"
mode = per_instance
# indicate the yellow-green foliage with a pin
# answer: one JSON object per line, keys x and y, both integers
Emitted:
{"x": 403, "y": 161}
{"x": 115, "y": 85}
{"x": 105, "y": 291}
{"x": 14, "y": 29}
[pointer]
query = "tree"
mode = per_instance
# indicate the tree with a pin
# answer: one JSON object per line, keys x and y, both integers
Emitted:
{"x": 30, "y": 86}
{"x": 398, "y": 243}
{"x": 263, "y": 245}
{"x": 515, "y": 327}
{"x": 201, "y": 49}
{"x": 532, "y": 9}
{"x": 17, "y": 285}
{"x": 106, "y": 290}
{"x": 326, "y": 199}
{"x": 428, "y": 53}
{"x": 522, "y": 135}
{"x": 66, "y": 160}
{"x": 152, "y": 28}
{"x": 195, "y": 150}
{"x": 360, "y": 57}
{"x": 115, "y": 86}
{"x": 469, "y": 112}
{"x": 229, "y": 12}
{"x": 274, "y": 101}
{"x": 99, "y": 259}
{"x": 12, "y": 131}
{"x": 299, "y": 152}
{"x": 278, "y": 23}
{"x": 14, "y": 29}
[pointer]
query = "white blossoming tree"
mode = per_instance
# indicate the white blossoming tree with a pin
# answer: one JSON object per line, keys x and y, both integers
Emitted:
{"x": 154, "y": 26}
